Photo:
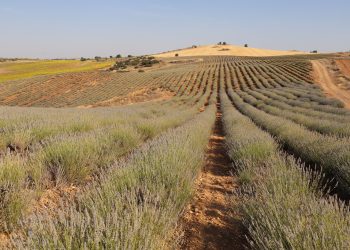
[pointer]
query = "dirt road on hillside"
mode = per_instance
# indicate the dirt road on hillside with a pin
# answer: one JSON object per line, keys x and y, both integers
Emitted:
{"x": 328, "y": 83}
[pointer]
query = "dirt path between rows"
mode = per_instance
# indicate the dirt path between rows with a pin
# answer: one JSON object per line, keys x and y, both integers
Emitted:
{"x": 328, "y": 83}
{"x": 211, "y": 221}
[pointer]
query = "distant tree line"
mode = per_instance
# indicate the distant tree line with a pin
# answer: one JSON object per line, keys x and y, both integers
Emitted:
{"x": 10, "y": 59}
{"x": 100, "y": 58}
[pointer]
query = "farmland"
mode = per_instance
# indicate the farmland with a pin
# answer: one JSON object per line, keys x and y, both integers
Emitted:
{"x": 80, "y": 170}
{"x": 13, "y": 70}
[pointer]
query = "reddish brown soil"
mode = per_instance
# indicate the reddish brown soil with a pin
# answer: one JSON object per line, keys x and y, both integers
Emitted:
{"x": 329, "y": 83}
{"x": 58, "y": 85}
{"x": 64, "y": 89}
{"x": 5, "y": 242}
{"x": 212, "y": 220}
{"x": 344, "y": 66}
{"x": 3, "y": 71}
{"x": 51, "y": 198}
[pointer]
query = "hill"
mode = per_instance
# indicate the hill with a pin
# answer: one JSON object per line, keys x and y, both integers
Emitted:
{"x": 227, "y": 50}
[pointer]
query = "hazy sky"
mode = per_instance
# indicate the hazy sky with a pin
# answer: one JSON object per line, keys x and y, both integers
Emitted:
{"x": 74, "y": 28}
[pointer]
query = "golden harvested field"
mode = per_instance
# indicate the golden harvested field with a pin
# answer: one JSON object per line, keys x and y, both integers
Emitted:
{"x": 227, "y": 50}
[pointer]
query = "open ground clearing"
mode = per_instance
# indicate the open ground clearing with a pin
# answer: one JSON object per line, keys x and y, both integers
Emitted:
{"x": 143, "y": 173}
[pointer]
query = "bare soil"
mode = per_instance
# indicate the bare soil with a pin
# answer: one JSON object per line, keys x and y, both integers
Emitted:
{"x": 328, "y": 82}
{"x": 52, "y": 198}
{"x": 344, "y": 66}
{"x": 63, "y": 89}
{"x": 212, "y": 219}
{"x": 59, "y": 85}
{"x": 3, "y": 71}
{"x": 5, "y": 242}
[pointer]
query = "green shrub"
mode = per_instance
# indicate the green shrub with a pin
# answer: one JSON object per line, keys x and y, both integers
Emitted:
{"x": 70, "y": 161}
{"x": 12, "y": 198}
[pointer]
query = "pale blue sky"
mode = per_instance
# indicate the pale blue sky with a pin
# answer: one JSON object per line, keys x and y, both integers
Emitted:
{"x": 74, "y": 28}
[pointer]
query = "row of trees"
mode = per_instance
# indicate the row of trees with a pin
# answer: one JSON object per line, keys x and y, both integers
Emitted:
{"x": 99, "y": 58}
{"x": 135, "y": 62}
{"x": 224, "y": 43}
{"x": 8, "y": 59}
